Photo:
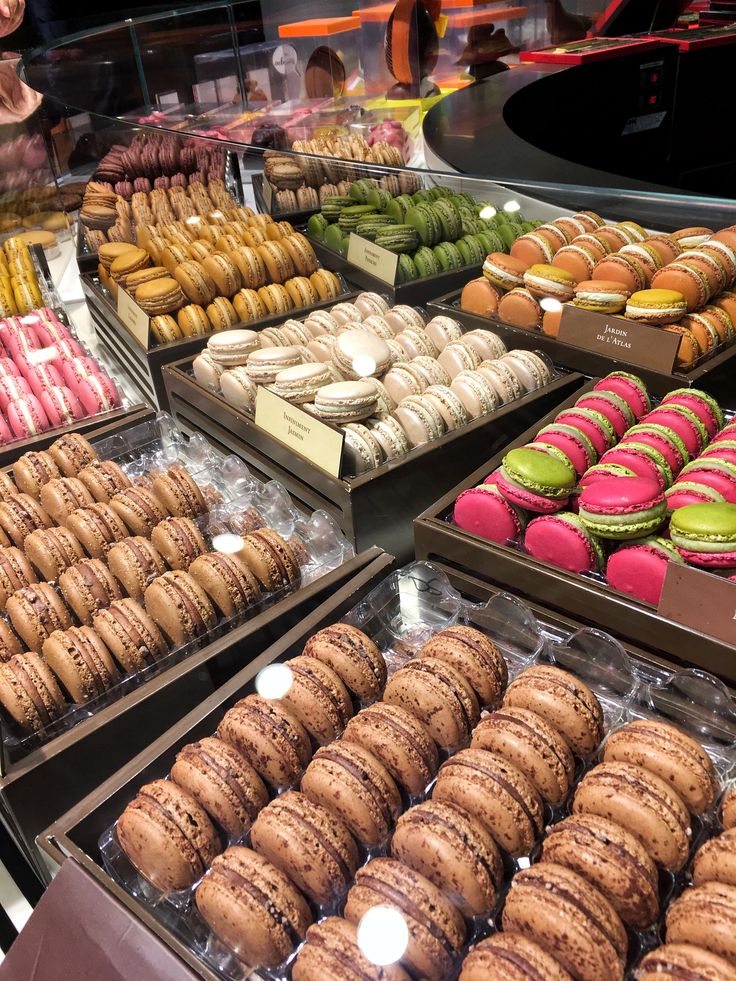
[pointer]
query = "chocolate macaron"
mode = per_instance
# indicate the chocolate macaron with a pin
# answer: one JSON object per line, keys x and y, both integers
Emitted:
{"x": 271, "y": 560}
{"x": 97, "y": 527}
{"x": 439, "y": 696}
{"x": 167, "y": 836}
{"x": 35, "y": 612}
{"x": 353, "y": 656}
{"x": 87, "y": 587}
{"x": 104, "y": 479}
{"x": 564, "y": 913}
{"x": 180, "y": 607}
{"x": 269, "y": 737}
{"x": 318, "y": 698}
{"x": 331, "y": 953}
{"x": 436, "y": 928}
{"x": 62, "y": 495}
{"x": 9, "y": 643}
{"x": 135, "y": 563}
{"x": 252, "y": 907}
{"x": 496, "y": 793}
{"x": 231, "y": 586}
{"x": 675, "y": 962}
{"x": 72, "y": 453}
{"x": 706, "y": 917}
{"x": 475, "y": 656}
{"x": 511, "y": 956}
{"x": 81, "y": 662}
{"x": 20, "y": 515}
{"x": 130, "y": 635}
{"x": 715, "y": 860}
{"x": 454, "y": 851}
{"x": 728, "y": 809}
{"x": 399, "y": 741}
{"x": 179, "y": 494}
{"x": 51, "y": 550}
{"x": 356, "y": 788}
{"x": 33, "y": 470}
{"x": 139, "y": 509}
{"x": 179, "y": 541}
{"x": 564, "y": 701}
{"x": 15, "y": 573}
{"x": 223, "y": 782}
{"x": 308, "y": 844}
{"x": 29, "y": 692}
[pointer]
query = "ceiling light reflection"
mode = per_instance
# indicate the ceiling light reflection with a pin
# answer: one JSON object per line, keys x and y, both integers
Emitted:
{"x": 383, "y": 935}
{"x": 274, "y": 681}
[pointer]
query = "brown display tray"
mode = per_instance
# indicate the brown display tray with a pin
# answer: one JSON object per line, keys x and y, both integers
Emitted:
{"x": 74, "y": 837}
{"x": 35, "y": 789}
{"x": 418, "y": 291}
{"x": 590, "y": 600}
{"x": 375, "y": 508}
{"x": 145, "y": 364}
{"x": 297, "y": 217}
{"x": 710, "y": 374}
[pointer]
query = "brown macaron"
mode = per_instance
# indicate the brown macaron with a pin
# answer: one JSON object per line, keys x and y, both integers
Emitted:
{"x": 51, "y": 550}
{"x": 9, "y": 643}
{"x": 269, "y": 737}
{"x": 62, "y": 495}
{"x": 496, "y": 793}
{"x": 20, "y": 514}
{"x": 271, "y": 560}
{"x": 562, "y": 912}
{"x": 167, "y": 836}
{"x": 454, "y": 851}
{"x": 104, "y": 479}
{"x": 179, "y": 494}
{"x": 33, "y": 470}
{"x": 510, "y": 956}
{"x": 351, "y": 783}
{"x": 531, "y": 744}
{"x": 29, "y": 692}
{"x": 308, "y": 844}
{"x": 97, "y": 527}
{"x": 179, "y": 541}
{"x": 15, "y": 573}
{"x": 643, "y": 804}
{"x": 564, "y": 701}
{"x": 139, "y": 509}
{"x": 475, "y": 656}
{"x": 318, "y": 698}
{"x": 671, "y": 754}
{"x": 35, "y": 612}
{"x": 135, "y": 563}
{"x": 715, "y": 860}
{"x": 675, "y": 962}
{"x": 706, "y": 917}
{"x": 88, "y": 586}
{"x": 7, "y": 486}
{"x": 353, "y": 656}
{"x": 180, "y": 607}
{"x": 439, "y": 696}
{"x": 130, "y": 635}
{"x": 728, "y": 809}
{"x": 72, "y": 453}
{"x": 232, "y": 588}
{"x": 223, "y": 782}
{"x": 252, "y": 907}
{"x": 436, "y": 928}
{"x": 399, "y": 741}
{"x": 331, "y": 953}
{"x": 612, "y": 860}
{"x": 81, "y": 662}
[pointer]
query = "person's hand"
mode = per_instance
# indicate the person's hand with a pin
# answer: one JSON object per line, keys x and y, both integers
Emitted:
{"x": 11, "y": 15}
{"x": 17, "y": 100}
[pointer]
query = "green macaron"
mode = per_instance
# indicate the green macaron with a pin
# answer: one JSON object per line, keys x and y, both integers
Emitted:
{"x": 421, "y": 196}
{"x": 406, "y": 269}
{"x": 316, "y": 226}
{"x": 398, "y": 207}
{"x": 449, "y": 219}
{"x": 508, "y": 234}
{"x": 426, "y": 262}
{"x": 398, "y": 238}
{"x": 470, "y": 250}
{"x": 539, "y": 472}
{"x": 333, "y": 238}
{"x": 333, "y": 205}
{"x": 379, "y": 197}
{"x": 349, "y": 217}
{"x": 428, "y": 226}
{"x": 359, "y": 190}
{"x": 448, "y": 256}
{"x": 705, "y": 528}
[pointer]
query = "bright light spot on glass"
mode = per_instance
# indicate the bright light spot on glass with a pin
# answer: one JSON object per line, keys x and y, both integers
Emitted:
{"x": 227, "y": 543}
{"x": 274, "y": 681}
{"x": 41, "y": 357}
{"x": 30, "y": 318}
{"x": 193, "y": 220}
{"x": 550, "y": 304}
{"x": 488, "y": 212}
{"x": 364, "y": 365}
{"x": 512, "y": 206}
{"x": 217, "y": 214}
{"x": 383, "y": 935}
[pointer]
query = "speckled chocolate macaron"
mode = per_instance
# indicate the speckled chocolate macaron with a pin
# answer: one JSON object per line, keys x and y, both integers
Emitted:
{"x": 87, "y": 587}
{"x": 135, "y": 563}
{"x": 673, "y": 962}
{"x": 705, "y": 916}
{"x": 180, "y": 607}
{"x": 475, "y": 656}
{"x": 179, "y": 494}
{"x": 35, "y": 612}
{"x": 62, "y": 495}
{"x": 81, "y": 662}
{"x": 9, "y": 643}
{"x": 728, "y": 809}
{"x": 138, "y": 509}
{"x": 20, "y": 514}
{"x": 230, "y": 585}
{"x": 33, "y": 470}
{"x": 715, "y": 860}
{"x": 331, "y": 953}
{"x": 29, "y": 692}
{"x": 130, "y": 635}
{"x": 271, "y": 560}
{"x": 15, "y": 572}
{"x": 51, "y": 550}
{"x": 104, "y": 479}
{"x": 72, "y": 453}
{"x": 512, "y": 957}
{"x": 97, "y": 527}
{"x": 318, "y": 698}
{"x": 353, "y": 656}
{"x": 179, "y": 541}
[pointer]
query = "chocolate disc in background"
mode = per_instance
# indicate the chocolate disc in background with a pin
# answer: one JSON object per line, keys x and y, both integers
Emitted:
{"x": 325, "y": 74}
{"x": 411, "y": 46}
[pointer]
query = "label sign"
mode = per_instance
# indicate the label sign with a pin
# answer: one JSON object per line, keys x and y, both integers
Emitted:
{"x": 136, "y": 320}
{"x": 373, "y": 259}
{"x": 300, "y": 431}
{"x": 699, "y": 600}
{"x": 613, "y": 337}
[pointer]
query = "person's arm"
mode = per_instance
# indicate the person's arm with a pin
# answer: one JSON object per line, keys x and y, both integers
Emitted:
{"x": 11, "y": 15}
{"x": 17, "y": 100}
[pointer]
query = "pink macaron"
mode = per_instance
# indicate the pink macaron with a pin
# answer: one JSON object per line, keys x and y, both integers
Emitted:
{"x": 51, "y": 332}
{"x": 574, "y": 444}
{"x": 76, "y": 370}
{"x": 628, "y": 387}
{"x": 61, "y": 406}
{"x": 642, "y": 460}
{"x": 728, "y": 432}
{"x": 27, "y": 417}
{"x": 11, "y": 389}
{"x": 724, "y": 449}
{"x": 485, "y": 512}
{"x": 662, "y": 439}
{"x": 98, "y": 394}
{"x": 6, "y": 436}
{"x": 592, "y": 424}
{"x": 684, "y": 422}
{"x": 563, "y": 541}
{"x": 42, "y": 377}
{"x": 23, "y": 341}
{"x": 9, "y": 367}
{"x": 612, "y": 406}
{"x": 703, "y": 405}
{"x": 639, "y": 569}
{"x": 684, "y": 492}
{"x": 67, "y": 347}
{"x": 719, "y": 475}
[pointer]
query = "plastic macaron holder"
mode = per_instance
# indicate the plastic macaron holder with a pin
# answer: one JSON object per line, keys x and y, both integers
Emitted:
{"x": 430, "y": 891}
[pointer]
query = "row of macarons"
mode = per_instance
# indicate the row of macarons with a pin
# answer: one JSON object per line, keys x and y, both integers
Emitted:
{"x": 445, "y": 852}
{"x": 20, "y": 291}
{"x": 47, "y": 379}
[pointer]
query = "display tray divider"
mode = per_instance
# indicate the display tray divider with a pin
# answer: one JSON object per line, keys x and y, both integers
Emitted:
{"x": 86, "y": 261}
{"x": 377, "y": 507}
{"x": 297, "y": 217}
{"x": 417, "y": 291}
{"x": 590, "y": 600}
{"x": 708, "y": 374}
{"x": 43, "y": 784}
{"x": 75, "y": 834}
{"x": 146, "y": 364}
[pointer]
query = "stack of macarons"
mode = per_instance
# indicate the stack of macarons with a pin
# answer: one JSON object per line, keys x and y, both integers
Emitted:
{"x": 47, "y": 379}
{"x": 199, "y": 276}
{"x": 389, "y": 378}
{"x": 103, "y": 572}
{"x": 20, "y": 292}
{"x": 597, "y": 489}
{"x": 434, "y": 229}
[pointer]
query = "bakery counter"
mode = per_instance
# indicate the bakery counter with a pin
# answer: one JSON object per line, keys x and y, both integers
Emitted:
{"x": 414, "y": 660}
{"x": 663, "y": 604}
